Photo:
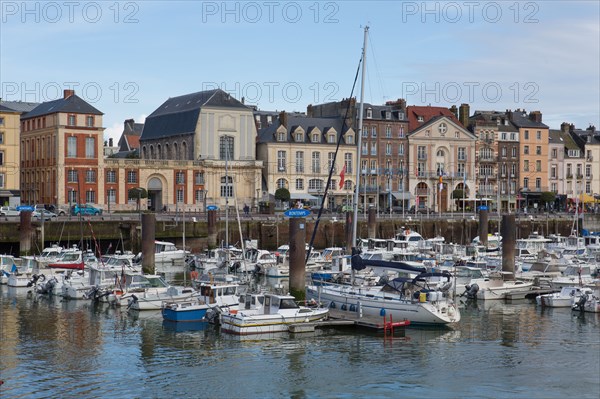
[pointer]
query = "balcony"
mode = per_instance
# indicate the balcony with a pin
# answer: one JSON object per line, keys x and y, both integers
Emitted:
{"x": 569, "y": 175}
{"x": 422, "y": 157}
{"x": 589, "y": 158}
{"x": 579, "y": 176}
{"x": 488, "y": 158}
{"x": 421, "y": 191}
{"x": 588, "y": 177}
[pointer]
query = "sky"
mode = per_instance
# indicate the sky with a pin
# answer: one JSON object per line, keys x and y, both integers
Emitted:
{"x": 127, "y": 57}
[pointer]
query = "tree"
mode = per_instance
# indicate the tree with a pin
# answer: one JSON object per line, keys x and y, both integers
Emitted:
{"x": 282, "y": 194}
{"x": 137, "y": 193}
{"x": 457, "y": 194}
{"x": 547, "y": 197}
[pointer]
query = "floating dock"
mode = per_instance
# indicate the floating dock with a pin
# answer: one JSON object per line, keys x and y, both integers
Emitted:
{"x": 341, "y": 318}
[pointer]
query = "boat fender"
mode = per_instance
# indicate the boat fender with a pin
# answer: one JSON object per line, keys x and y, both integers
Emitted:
{"x": 353, "y": 308}
{"x": 344, "y": 307}
{"x": 332, "y": 305}
{"x": 382, "y": 312}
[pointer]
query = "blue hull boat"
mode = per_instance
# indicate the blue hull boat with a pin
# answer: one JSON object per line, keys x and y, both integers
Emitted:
{"x": 184, "y": 311}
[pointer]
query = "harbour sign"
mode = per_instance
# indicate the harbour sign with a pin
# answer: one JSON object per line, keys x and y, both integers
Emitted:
{"x": 297, "y": 213}
{"x": 212, "y": 208}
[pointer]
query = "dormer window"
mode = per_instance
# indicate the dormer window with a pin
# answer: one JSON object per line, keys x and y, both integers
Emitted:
{"x": 269, "y": 120}
{"x": 420, "y": 119}
{"x": 280, "y": 136}
{"x": 315, "y": 138}
{"x": 388, "y": 115}
{"x": 349, "y": 139}
{"x": 369, "y": 113}
{"x": 299, "y": 137}
{"x": 331, "y": 139}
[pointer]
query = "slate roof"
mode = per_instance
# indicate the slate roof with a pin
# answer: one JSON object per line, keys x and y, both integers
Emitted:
{"x": 179, "y": 115}
{"x": 521, "y": 120}
{"x": 72, "y": 104}
{"x": 428, "y": 113}
{"x": 554, "y": 136}
{"x": 295, "y": 120}
{"x": 379, "y": 112}
{"x": 18, "y": 106}
{"x": 505, "y": 124}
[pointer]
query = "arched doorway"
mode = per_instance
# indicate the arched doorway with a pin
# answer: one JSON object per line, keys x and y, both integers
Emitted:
{"x": 155, "y": 194}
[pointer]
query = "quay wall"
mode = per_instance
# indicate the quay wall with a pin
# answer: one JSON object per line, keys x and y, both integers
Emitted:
{"x": 270, "y": 232}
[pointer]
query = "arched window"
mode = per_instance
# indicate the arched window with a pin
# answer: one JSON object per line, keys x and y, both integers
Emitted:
{"x": 184, "y": 154}
{"x": 282, "y": 183}
{"x": 226, "y": 148}
{"x": 167, "y": 151}
{"x": 152, "y": 152}
{"x": 175, "y": 151}
{"x": 144, "y": 152}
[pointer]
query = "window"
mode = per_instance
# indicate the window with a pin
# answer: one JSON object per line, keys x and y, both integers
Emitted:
{"x": 90, "y": 197}
{"x": 538, "y": 183}
{"x": 90, "y": 147}
{"x": 588, "y": 171}
{"x": 199, "y": 178}
{"x": 226, "y": 186}
{"x": 179, "y": 196}
{"x": 131, "y": 176}
{"x": 349, "y": 139}
{"x": 281, "y": 161}
{"x": 1, "y": 158}
{"x": 330, "y": 163}
{"x": 401, "y": 149}
{"x": 526, "y": 165}
{"x": 200, "y": 195}
{"x": 90, "y": 177}
{"x": 71, "y": 147}
{"x": 1, "y": 137}
{"x": 365, "y": 131}
{"x": 72, "y": 176}
{"x": 538, "y": 150}
{"x": 226, "y": 148}
{"x": 526, "y": 182}
{"x": 315, "y": 184}
{"x": 373, "y": 167}
{"x": 526, "y": 134}
{"x": 1, "y": 121}
{"x": 333, "y": 184}
{"x": 316, "y": 162}
{"x": 282, "y": 183}
{"x": 299, "y": 161}
{"x": 388, "y": 149}
{"x": 442, "y": 129}
{"x": 331, "y": 139}
{"x": 526, "y": 150}
{"x": 73, "y": 196}
{"x": 421, "y": 169}
{"x": 538, "y": 166}
{"x": 401, "y": 132}
{"x": 71, "y": 120}
{"x": 179, "y": 178}
{"x": 299, "y": 184}
{"x": 111, "y": 194}
{"x": 553, "y": 172}
{"x": 462, "y": 154}
{"x": 388, "y": 132}
{"x": 280, "y": 136}
{"x": 554, "y": 187}
{"x": 588, "y": 188}
{"x": 315, "y": 138}
{"x": 299, "y": 137}
{"x": 554, "y": 153}
{"x": 369, "y": 113}
{"x": 388, "y": 115}
{"x": 513, "y": 170}
{"x": 348, "y": 185}
{"x": 421, "y": 152}
{"x": 503, "y": 152}
{"x": 514, "y": 152}
{"x": 89, "y": 121}
{"x": 538, "y": 135}
{"x": 2, "y": 178}
{"x": 374, "y": 131}
{"x": 348, "y": 162}
{"x": 365, "y": 148}
{"x": 374, "y": 148}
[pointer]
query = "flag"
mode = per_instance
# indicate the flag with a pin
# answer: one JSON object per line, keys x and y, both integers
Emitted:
{"x": 342, "y": 174}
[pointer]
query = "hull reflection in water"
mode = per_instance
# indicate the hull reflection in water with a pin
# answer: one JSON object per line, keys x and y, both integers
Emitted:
{"x": 188, "y": 326}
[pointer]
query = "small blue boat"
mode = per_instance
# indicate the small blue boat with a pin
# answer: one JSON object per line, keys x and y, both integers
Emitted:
{"x": 190, "y": 311}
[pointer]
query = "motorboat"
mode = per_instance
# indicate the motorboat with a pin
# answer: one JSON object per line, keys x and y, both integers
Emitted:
{"x": 21, "y": 276}
{"x": 271, "y": 313}
{"x": 70, "y": 259}
{"x": 149, "y": 292}
{"x": 588, "y": 302}
{"x": 7, "y": 266}
{"x": 566, "y": 298}
{"x": 188, "y": 311}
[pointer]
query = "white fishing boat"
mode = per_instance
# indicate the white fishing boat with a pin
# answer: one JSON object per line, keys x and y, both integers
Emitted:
{"x": 21, "y": 276}
{"x": 495, "y": 287}
{"x": 7, "y": 266}
{"x": 149, "y": 292}
{"x": 166, "y": 253}
{"x": 566, "y": 298}
{"x": 271, "y": 313}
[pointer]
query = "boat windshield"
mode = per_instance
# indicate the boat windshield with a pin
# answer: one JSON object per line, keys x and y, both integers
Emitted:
{"x": 70, "y": 257}
{"x": 288, "y": 303}
{"x": 156, "y": 282}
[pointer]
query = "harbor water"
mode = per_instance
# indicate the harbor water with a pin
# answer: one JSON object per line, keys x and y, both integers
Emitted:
{"x": 74, "y": 349}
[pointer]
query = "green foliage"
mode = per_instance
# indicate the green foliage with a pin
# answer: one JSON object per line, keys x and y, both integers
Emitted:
{"x": 458, "y": 194}
{"x": 137, "y": 192}
{"x": 282, "y": 194}
{"x": 547, "y": 197}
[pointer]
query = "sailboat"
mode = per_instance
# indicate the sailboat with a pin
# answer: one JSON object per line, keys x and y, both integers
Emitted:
{"x": 402, "y": 298}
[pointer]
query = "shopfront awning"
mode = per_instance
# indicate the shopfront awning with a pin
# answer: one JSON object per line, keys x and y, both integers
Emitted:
{"x": 586, "y": 198}
{"x": 401, "y": 195}
{"x": 303, "y": 196}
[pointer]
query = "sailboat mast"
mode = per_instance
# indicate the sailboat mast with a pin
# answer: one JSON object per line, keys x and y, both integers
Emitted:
{"x": 359, "y": 142}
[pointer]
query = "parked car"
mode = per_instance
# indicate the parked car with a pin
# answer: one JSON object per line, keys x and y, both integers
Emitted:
{"x": 86, "y": 209}
{"x": 47, "y": 215}
{"x": 9, "y": 211}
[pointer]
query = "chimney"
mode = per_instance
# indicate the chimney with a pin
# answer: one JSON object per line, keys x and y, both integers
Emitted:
{"x": 463, "y": 114}
{"x": 309, "y": 110}
{"x": 454, "y": 110}
{"x": 564, "y": 127}
{"x": 535, "y": 116}
{"x": 243, "y": 100}
{"x": 283, "y": 118}
{"x": 68, "y": 93}
{"x": 110, "y": 142}
{"x": 129, "y": 124}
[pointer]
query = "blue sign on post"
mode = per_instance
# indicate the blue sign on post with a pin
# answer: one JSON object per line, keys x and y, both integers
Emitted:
{"x": 297, "y": 213}
{"x": 483, "y": 208}
{"x": 212, "y": 208}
